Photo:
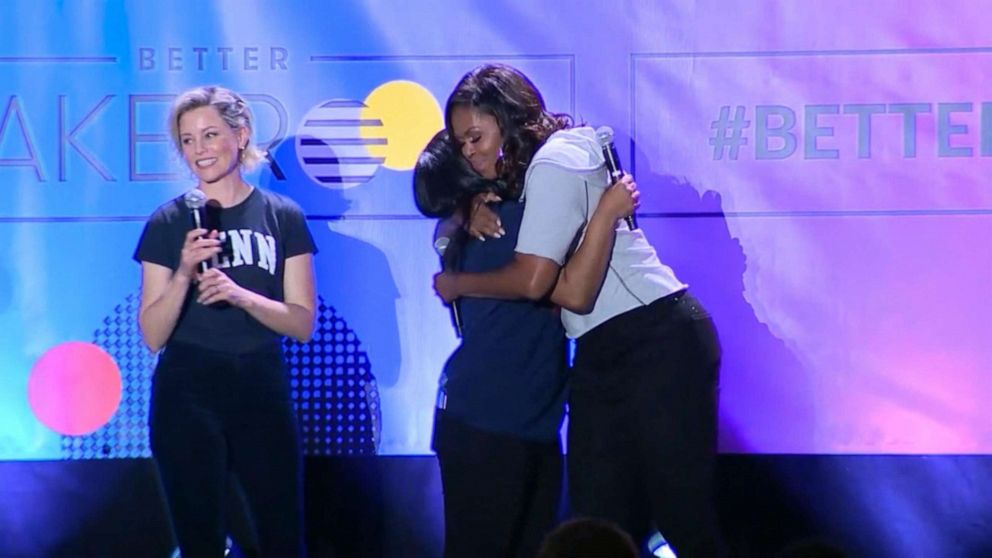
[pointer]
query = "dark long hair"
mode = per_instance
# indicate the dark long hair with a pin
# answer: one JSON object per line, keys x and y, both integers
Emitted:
{"x": 444, "y": 183}
{"x": 512, "y": 99}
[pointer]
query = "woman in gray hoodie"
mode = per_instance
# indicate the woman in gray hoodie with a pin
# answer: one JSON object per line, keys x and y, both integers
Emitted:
{"x": 643, "y": 402}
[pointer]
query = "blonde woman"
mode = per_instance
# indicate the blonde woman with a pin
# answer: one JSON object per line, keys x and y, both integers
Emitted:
{"x": 220, "y": 396}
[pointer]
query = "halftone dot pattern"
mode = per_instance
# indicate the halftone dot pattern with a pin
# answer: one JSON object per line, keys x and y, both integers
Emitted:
{"x": 126, "y": 434}
{"x": 335, "y": 393}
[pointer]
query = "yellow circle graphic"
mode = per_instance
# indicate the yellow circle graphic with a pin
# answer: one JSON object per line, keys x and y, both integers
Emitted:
{"x": 410, "y": 117}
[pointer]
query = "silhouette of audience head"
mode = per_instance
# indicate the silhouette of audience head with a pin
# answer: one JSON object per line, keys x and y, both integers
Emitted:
{"x": 588, "y": 538}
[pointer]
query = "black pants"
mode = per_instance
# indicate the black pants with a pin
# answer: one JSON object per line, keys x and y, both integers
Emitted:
{"x": 501, "y": 492}
{"x": 643, "y": 424}
{"x": 213, "y": 415}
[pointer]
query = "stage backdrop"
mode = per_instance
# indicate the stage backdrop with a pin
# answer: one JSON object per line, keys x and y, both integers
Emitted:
{"x": 817, "y": 172}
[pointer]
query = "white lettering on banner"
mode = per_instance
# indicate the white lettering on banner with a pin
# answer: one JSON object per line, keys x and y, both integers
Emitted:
{"x": 21, "y": 147}
{"x": 13, "y": 112}
{"x": 781, "y": 132}
{"x": 249, "y": 58}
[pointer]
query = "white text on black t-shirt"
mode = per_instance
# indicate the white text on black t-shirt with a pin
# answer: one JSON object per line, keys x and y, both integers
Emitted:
{"x": 247, "y": 248}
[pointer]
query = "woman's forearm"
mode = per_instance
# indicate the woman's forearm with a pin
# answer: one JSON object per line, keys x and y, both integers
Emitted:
{"x": 158, "y": 319}
{"x": 526, "y": 277}
{"x": 294, "y": 315}
{"x": 582, "y": 277}
{"x": 285, "y": 318}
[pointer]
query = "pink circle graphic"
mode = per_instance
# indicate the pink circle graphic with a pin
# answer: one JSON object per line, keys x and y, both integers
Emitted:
{"x": 74, "y": 388}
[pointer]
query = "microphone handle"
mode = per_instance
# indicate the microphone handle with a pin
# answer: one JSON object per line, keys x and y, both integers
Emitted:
{"x": 197, "y": 223}
{"x": 616, "y": 173}
{"x": 456, "y": 315}
{"x": 631, "y": 222}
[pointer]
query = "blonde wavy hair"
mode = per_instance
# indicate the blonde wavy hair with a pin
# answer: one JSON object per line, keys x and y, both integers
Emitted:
{"x": 232, "y": 109}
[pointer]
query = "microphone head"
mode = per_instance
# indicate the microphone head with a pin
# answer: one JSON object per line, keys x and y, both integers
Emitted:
{"x": 604, "y": 135}
{"x": 441, "y": 244}
{"x": 195, "y": 199}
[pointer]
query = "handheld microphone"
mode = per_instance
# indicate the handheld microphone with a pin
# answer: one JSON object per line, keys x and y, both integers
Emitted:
{"x": 195, "y": 200}
{"x": 604, "y": 135}
{"x": 440, "y": 246}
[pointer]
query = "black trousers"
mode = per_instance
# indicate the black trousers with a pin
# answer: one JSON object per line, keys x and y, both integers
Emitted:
{"x": 501, "y": 493}
{"x": 214, "y": 415}
{"x": 642, "y": 428}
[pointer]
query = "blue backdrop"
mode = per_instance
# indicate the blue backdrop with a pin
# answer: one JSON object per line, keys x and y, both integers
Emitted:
{"x": 815, "y": 171}
{"x": 817, "y": 185}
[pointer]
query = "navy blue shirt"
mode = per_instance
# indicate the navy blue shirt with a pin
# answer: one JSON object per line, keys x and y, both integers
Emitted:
{"x": 509, "y": 374}
{"x": 260, "y": 233}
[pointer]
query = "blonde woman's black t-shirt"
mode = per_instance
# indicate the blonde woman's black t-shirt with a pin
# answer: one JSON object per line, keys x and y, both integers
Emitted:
{"x": 258, "y": 235}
